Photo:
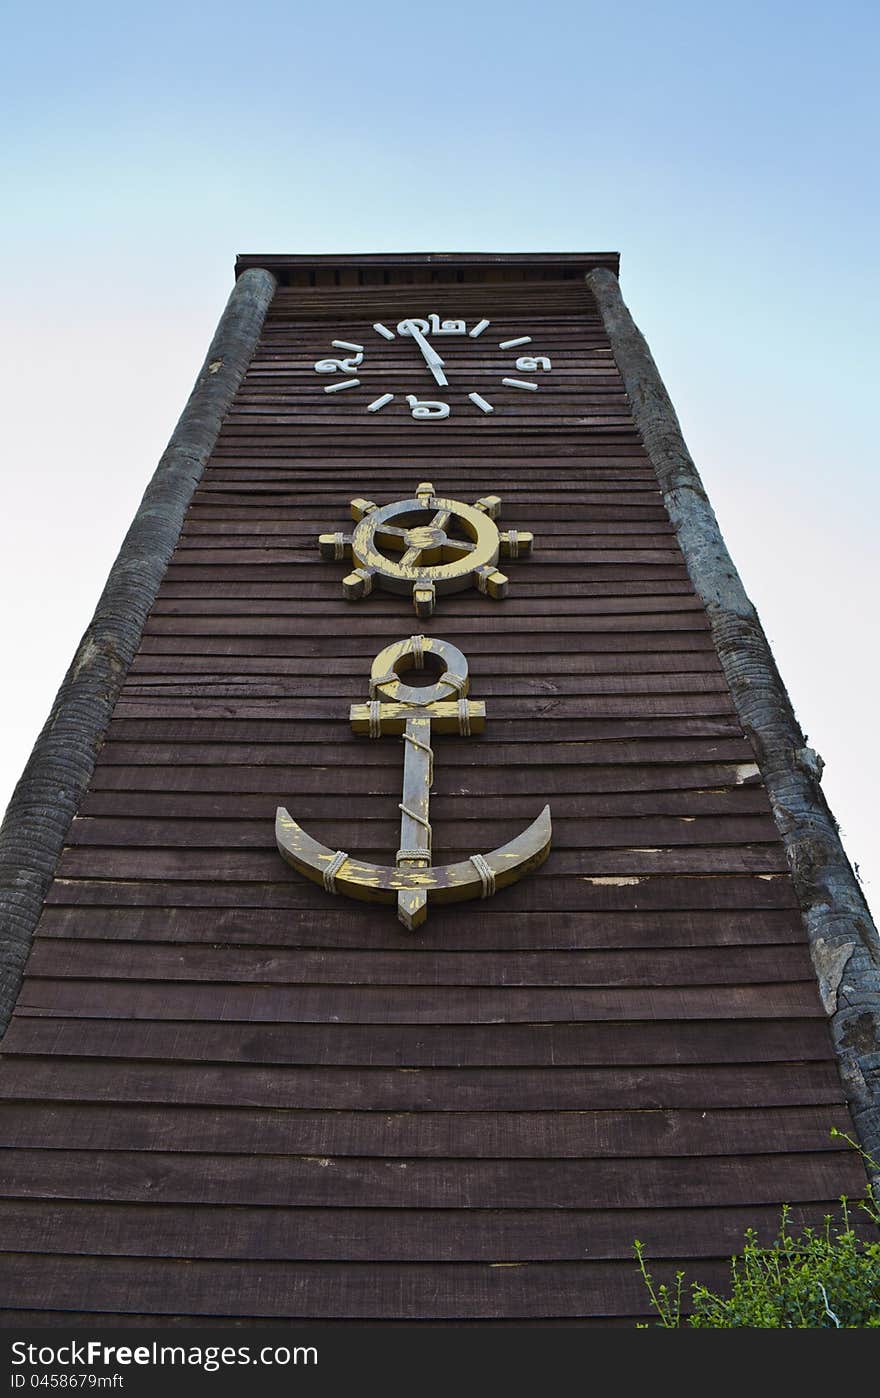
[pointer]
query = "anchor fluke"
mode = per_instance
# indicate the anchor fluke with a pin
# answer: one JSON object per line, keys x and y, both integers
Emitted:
{"x": 440, "y": 883}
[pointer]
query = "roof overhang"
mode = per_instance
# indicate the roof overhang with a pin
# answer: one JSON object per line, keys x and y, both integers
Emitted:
{"x": 302, "y": 267}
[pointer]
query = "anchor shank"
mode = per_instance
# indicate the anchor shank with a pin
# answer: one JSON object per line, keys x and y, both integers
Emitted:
{"x": 415, "y": 829}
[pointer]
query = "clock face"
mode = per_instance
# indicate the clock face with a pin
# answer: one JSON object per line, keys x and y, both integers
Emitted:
{"x": 431, "y": 367}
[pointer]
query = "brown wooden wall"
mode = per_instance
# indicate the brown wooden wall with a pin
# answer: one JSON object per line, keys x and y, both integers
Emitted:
{"x": 226, "y": 1094}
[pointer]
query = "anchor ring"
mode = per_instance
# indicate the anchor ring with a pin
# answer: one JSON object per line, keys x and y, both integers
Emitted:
{"x": 401, "y": 657}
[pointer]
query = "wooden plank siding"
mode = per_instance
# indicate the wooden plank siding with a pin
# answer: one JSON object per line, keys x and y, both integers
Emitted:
{"x": 224, "y": 1094}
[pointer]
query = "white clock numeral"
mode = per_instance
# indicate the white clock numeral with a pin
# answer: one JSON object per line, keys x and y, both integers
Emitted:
{"x": 432, "y": 326}
{"x": 383, "y": 330}
{"x": 512, "y": 344}
{"x": 339, "y": 366}
{"x": 528, "y": 363}
{"x": 424, "y": 408}
{"x": 446, "y": 327}
{"x": 338, "y": 387}
{"x": 481, "y": 402}
{"x": 478, "y": 329}
{"x": 378, "y": 403}
{"x": 520, "y": 383}
{"x": 346, "y": 344}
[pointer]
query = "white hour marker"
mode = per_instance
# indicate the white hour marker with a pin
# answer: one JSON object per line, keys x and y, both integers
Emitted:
{"x": 378, "y": 403}
{"x": 383, "y": 330}
{"x": 478, "y": 329}
{"x": 346, "y": 383}
{"x": 347, "y": 344}
{"x": 520, "y": 383}
{"x": 481, "y": 402}
{"x": 512, "y": 344}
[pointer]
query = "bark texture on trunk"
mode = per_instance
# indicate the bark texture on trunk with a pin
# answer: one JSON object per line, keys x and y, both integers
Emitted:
{"x": 60, "y": 767}
{"x": 843, "y": 939}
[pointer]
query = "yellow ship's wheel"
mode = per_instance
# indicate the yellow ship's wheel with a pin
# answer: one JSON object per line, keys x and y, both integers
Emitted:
{"x": 426, "y": 545}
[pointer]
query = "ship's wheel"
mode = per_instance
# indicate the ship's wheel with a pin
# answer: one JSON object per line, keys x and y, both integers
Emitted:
{"x": 426, "y": 545}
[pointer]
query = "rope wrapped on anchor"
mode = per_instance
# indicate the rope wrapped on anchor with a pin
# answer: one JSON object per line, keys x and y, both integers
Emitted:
{"x": 421, "y": 853}
{"x": 457, "y": 683}
{"x": 338, "y": 546}
{"x": 376, "y": 685}
{"x": 419, "y": 819}
{"x": 418, "y": 652}
{"x": 464, "y": 718}
{"x": 424, "y": 747}
{"x": 513, "y": 543}
{"x": 332, "y": 869}
{"x": 487, "y": 876}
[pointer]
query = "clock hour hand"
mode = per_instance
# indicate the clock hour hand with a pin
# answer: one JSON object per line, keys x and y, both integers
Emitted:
{"x": 430, "y": 355}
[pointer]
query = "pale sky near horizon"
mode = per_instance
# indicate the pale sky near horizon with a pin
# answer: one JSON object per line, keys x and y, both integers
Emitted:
{"x": 728, "y": 152}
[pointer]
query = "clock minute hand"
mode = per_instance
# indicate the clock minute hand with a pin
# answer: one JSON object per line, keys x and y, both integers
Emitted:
{"x": 430, "y": 355}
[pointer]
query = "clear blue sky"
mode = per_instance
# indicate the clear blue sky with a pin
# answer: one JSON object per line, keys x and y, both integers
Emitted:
{"x": 728, "y": 151}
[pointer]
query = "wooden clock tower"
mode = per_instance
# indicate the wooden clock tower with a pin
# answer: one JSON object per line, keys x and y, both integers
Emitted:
{"x": 421, "y": 887}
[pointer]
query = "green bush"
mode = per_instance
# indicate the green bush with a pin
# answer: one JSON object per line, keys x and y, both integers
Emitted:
{"x": 818, "y": 1279}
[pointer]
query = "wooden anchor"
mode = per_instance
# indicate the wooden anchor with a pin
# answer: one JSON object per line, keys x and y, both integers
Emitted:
{"x": 416, "y": 712}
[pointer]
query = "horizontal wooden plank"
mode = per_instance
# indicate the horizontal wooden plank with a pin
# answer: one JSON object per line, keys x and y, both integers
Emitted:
{"x": 275, "y": 784}
{"x": 468, "y": 604}
{"x": 697, "y": 715}
{"x": 682, "y": 805}
{"x": 202, "y": 522}
{"x": 245, "y": 866}
{"x": 584, "y": 752}
{"x": 345, "y": 1181}
{"x": 375, "y": 625}
{"x": 85, "y": 1320}
{"x": 409, "y": 1004}
{"x": 484, "y": 927}
{"x": 256, "y": 484}
{"x": 268, "y": 678}
{"x": 385, "y": 1235}
{"x": 565, "y": 554}
{"x": 480, "y": 834}
{"x": 299, "y": 1291}
{"x": 652, "y": 967}
{"x": 518, "y": 476}
{"x": 253, "y": 731}
{"x": 528, "y": 589}
{"x": 551, "y": 574}
{"x": 602, "y": 893}
{"x": 609, "y": 666}
{"x": 508, "y": 1044}
{"x": 664, "y": 1087}
{"x": 73, "y": 1126}
{"x": 415, "y": 446}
